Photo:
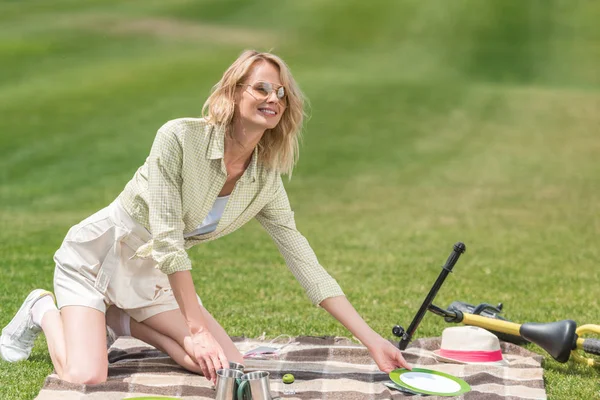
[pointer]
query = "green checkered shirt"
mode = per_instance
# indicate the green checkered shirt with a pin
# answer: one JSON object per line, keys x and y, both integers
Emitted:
{"x": 173, "y": 192}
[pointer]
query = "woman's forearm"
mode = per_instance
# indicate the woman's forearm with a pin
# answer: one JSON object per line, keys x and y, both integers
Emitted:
{"x": 185, "y": 294}
{"x": 341, "y": 309}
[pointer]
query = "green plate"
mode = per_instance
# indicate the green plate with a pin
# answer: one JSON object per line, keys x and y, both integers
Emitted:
{"x": 150, "y": 398}
{"x": 427, "y": 381}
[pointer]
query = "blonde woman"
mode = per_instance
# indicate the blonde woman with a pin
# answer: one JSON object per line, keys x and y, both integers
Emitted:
{"x": 127, "y": 267}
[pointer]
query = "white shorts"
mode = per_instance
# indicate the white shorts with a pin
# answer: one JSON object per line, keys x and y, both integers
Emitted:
{"x": 95, "y": 268}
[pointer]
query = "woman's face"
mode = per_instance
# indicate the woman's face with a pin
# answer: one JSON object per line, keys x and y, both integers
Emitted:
{"x": 258, "y": 104}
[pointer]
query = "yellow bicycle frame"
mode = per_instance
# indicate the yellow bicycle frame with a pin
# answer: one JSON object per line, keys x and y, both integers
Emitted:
{"x": 512, "y": 328}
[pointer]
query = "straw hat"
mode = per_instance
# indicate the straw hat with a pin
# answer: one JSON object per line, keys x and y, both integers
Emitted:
{"x": 469, "y": 345}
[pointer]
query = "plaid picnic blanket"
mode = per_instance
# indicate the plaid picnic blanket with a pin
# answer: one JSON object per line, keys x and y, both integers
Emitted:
{"x": 324, "y": 367}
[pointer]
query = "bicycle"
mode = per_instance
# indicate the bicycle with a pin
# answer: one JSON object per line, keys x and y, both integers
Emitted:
{"x": 561, "y": 339}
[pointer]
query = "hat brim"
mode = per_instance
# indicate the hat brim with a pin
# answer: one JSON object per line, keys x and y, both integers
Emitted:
{"x": 501, "y": 363}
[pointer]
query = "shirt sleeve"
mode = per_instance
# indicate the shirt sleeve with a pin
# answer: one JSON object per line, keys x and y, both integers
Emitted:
{"x": 164, "y": 197}
{"x": 277, "y": 218}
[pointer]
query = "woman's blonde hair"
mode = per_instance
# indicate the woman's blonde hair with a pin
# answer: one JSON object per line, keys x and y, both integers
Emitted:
{"x": 278, "y": 148}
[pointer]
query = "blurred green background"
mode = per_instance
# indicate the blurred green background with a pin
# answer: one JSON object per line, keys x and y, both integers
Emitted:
{"x": 432, "y": 122}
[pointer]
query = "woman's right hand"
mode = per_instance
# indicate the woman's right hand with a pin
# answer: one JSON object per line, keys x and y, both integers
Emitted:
{"x": 207, "y": 352}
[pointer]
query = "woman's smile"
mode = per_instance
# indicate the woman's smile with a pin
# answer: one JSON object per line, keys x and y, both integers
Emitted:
{"x": 268, "y": 111}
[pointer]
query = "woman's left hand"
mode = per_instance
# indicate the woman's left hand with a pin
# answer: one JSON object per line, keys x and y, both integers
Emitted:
{"x": 387, "y": 356}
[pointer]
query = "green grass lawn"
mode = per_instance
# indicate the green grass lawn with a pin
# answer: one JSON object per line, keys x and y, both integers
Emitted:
{"x": 432, "y": 122}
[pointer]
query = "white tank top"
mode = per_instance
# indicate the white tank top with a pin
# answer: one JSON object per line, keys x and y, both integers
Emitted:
{"x": 212, "y": 219}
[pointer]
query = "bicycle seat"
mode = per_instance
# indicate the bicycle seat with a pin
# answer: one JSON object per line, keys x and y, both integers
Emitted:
{"x": 557, "y": 338}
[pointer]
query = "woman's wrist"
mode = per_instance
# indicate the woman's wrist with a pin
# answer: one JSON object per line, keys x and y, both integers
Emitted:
{"x": 195, "y": 327}
{"x": 371, "y": 339}
{"x": 341, "y": 309}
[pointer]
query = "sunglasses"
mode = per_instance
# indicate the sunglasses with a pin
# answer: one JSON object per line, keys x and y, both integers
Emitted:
{"x": 262, "y": 90}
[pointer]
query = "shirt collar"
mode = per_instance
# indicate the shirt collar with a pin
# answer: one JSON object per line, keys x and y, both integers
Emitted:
{"x": 216, "y": 150}
{"x": 216, "y": 146}
{"x": 250, "y": 174}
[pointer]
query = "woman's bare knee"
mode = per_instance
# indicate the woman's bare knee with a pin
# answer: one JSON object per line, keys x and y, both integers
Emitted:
{"x": 86, "y": 376}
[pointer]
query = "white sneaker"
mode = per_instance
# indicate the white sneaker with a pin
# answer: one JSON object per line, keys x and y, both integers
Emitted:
{"x": 19, "y": 335}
